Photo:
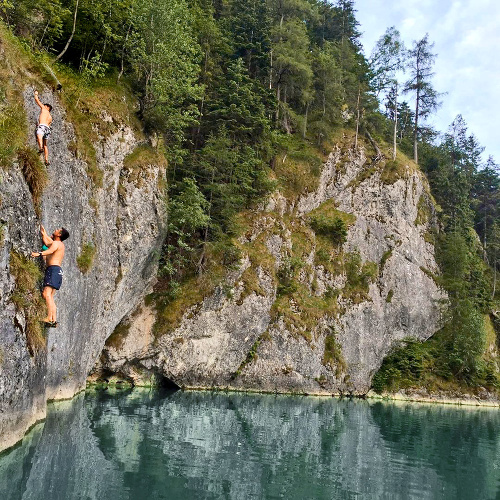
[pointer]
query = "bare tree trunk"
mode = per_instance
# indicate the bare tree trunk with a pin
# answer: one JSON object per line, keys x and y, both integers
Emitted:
{"x": 205, "y": 237}
{"x": 357, "y": 120}
{"x": 374, "y": 144}
{"x": 271, "y": 72}
{"x": 415, "y": 131}
{"x": 286, "y": 123}
{"x": 278, "y": 95}
{"x": 72, "y": 33}
{"x": 394, "y": 145}
{"x": 44, "y": 32}
{"x": 304, "y": 131}
{"x": 58, "y": 84}
{"x": 494, "y": 276}
{"x": 123, "y": 53}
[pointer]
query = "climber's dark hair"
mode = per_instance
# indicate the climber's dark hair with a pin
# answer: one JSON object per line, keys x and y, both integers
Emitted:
{"x": 64, "y": 234}
{"x": 49, "y": 106}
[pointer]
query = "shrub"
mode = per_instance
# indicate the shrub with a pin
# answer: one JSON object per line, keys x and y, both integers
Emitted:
{"x": 385, "y": 257}
{"x": 359, "y": 276}
{"x": 392, "y": 171}
{"x": 333, "y": 228}
{"x": 403, "y": 367}
{"x": 286, "y": 276}
{"x": 86, "y": 258}
{"x": 27, "y": 298}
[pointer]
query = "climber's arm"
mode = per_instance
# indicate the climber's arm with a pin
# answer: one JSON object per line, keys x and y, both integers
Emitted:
{"x": 49, "y": 251}
{"x": 38, "y": 100}
{"x": 47, "y": 240}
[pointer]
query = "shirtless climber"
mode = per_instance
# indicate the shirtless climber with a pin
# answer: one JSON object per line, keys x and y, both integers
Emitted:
{"x": 43, "y": 129}
{"x": 53, "y": 273}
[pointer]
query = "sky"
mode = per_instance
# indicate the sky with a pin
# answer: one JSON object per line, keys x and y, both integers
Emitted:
{"x": 466, "y": 36}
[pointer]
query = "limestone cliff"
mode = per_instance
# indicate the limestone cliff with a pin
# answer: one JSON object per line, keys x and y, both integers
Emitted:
{"x": 117, "y": 222}
{"x": 327, "y": 281}
{"x": 305, "y": 311}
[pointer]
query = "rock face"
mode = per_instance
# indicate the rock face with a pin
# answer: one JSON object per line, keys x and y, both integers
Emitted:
{"x": 121, "y": 220}
{"x": 304, "y": 310}
{"x": 327, "y": 329}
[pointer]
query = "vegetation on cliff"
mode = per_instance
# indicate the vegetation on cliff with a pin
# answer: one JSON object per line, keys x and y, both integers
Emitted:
{"x": 244, "y": 97}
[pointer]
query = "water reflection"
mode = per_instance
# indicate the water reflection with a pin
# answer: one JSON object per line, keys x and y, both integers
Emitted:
{"x": 149, "y": 444}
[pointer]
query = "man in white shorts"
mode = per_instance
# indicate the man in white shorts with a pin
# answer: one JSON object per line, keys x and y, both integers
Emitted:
{"x": 43, "y": 129}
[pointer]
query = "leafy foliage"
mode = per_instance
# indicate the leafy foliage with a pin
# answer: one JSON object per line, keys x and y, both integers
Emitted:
{"x": 336, "y": 228}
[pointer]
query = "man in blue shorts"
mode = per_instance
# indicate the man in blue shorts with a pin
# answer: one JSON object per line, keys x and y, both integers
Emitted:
{"x": 53, "y": 273}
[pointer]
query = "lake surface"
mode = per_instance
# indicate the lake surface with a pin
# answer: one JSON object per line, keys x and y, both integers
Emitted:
{"x": 143, "y": 444}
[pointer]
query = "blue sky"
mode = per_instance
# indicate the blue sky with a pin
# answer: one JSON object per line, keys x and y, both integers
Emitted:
{"x": 466, "y": 34}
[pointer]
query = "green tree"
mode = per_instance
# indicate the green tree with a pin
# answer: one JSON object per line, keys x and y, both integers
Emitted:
{"x": 387, "y": 59}
{"x": 239, "y": 107}
{"x": 486, "y": 200}
{"x": 187, "y": 219}
{"x": 420, "y": 62}
{"x": 328, "y": 91}
{"x": 249, "y": 24}
{"x": 42, "y": 22}
{"x": 165, "y": 60}
{"x": 291, "y": 70}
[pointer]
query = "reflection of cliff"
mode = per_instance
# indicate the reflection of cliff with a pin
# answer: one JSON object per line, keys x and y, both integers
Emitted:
{"x": 67, "y": 462}
{"x": 451, "y": 441}
{"x": 197, "y": 445}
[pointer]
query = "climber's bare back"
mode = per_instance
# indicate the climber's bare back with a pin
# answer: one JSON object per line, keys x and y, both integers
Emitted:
{"x": 45, "y": 117}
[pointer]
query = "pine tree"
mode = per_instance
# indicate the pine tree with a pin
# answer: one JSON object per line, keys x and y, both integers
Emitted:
{"x": 420, "y": 62}
{"x": 250, "y": 23}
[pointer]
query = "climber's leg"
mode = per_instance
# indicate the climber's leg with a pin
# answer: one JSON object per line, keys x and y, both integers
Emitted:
{"x": 48, "y": 295}
{"x": 46, "y": 151}
{"x": 39, "y": 139}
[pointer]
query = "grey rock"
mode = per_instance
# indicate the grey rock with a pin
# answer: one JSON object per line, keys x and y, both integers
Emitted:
{"x": 228, "y": 343}
{"x": 123, "y": 219}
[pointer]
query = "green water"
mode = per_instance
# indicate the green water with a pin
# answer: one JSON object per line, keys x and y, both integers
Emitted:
{"x": 184, "y": 445}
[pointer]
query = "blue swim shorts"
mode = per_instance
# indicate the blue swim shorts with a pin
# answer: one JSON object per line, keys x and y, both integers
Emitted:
{"x": 53, "y": 277}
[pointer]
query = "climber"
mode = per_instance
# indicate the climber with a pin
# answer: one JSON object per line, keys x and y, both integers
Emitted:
{"x": 43, "y": 128}
{"x": 53, "y": 273}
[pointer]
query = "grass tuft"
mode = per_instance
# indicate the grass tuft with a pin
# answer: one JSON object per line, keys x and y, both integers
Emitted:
{"x": 423, "y": 210}
{"x": 117, "y": 338}
{"x": 34, "y": 172}
{"x": 27, "y": 299}
{"x": 86, "y": 258}
{"x": 251, "y": 355}
{"x": 332, "y": 356}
